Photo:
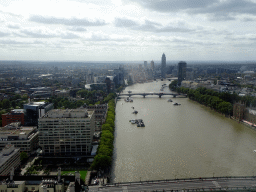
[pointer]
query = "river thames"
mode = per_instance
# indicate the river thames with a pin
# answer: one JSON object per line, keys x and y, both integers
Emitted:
{"x": 184, "y": 141}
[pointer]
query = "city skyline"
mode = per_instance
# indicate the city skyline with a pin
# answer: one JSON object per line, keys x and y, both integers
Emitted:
{"x": 122, "y": 30}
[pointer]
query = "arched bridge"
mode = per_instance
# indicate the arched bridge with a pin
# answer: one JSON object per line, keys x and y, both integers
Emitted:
{"x": 159, "y": 94}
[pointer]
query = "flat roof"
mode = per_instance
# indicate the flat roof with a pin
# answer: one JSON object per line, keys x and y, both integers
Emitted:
{"x": 4, "y": 158}
{"x": 18, "y": 131}
{"x": 67, "y": 113}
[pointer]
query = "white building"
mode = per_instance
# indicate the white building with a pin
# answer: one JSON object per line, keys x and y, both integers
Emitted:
{"x": 66, "y": 132}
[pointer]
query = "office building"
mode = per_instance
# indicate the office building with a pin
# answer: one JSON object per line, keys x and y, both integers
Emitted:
{"x": 13, "y": 116}
{"x": 152, "y": 65}
{"x": 100, "y": 112}
{"x": 119, "y": 75}
{"x": 145, "y": 64}
{"x": 163, "y": 66}
{"x": 9, "y": 158}
{"x": 66, "y": 132}
{"x": 35, "y": 110}
{"x": 23, "y": 137}
{"x": 182, "y": 65}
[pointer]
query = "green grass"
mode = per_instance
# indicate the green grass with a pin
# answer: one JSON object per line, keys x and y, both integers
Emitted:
{"x": 82, "y": 173}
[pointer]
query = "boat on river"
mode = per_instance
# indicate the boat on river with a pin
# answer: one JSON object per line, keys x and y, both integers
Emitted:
{"x": 140, "y": 123}
{"x": 135, "y": 112}
{"x": 133, "y": 121}
{"x": 176, "y": 104}
{"x": 128, "y": 99}
{"x": 169, "y": 100}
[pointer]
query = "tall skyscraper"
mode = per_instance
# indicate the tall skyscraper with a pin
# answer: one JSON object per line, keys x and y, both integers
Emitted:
{"x": 182, "y": 65}
{"x": 145, "y": 64}
{"x": 152, "y": 65}
{"x": 163, "y": 66}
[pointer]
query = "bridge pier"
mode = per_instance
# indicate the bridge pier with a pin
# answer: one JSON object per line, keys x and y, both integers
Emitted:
{"x": 144, "y": 95}
{"x": 160, "y": 96}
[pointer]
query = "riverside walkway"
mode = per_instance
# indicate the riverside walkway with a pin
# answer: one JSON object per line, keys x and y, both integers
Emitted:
{"x": 182, "y": 185}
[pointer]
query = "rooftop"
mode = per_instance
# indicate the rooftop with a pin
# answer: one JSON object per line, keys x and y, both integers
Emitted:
{"x": 7, "y": 134}
{"x": 68, "y": 113}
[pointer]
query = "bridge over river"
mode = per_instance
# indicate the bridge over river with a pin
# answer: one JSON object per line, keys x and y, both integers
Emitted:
{"x": 160, "y": 94}
{"x": 183, "y": 185}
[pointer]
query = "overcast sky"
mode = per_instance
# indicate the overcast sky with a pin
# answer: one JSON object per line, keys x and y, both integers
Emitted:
{"x": 124, "y": 30}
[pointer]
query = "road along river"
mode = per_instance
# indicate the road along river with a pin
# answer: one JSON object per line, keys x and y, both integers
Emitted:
{"x": 184, "y": 141}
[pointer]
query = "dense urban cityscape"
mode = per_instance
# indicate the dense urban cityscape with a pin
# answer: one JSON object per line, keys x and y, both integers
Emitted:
{"x": 127, "y": 95}
{"x": 57, "y": 116}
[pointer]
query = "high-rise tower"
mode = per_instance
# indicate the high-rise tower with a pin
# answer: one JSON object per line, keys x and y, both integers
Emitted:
{"x": 152, "y": 65}
{"x": 145, "y": 64}
{"x": 182, "y": 65}
{"x": 163, "y": 66}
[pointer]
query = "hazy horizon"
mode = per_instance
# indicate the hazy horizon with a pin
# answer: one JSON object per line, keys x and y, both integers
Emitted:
{"x": 124, "y": 30}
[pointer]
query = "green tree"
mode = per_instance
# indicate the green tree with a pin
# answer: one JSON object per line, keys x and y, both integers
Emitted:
{"x": 101, "y": 161}
{"x": 107, "y": 127}
{"x": 6, "y": 104}
{"x": 173, "y": 85}
{"x": 23, "y": 156}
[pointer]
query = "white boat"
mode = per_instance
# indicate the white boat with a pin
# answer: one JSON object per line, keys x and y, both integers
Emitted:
{"x": 133, "y": 121}
{"x": 169, "y": 100}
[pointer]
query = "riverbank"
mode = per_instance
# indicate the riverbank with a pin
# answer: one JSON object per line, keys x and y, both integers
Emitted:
{"x": 246, "y": 123}
{"x": 243, "y": 122}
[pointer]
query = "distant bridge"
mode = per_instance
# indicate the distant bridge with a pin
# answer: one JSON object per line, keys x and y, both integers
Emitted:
{"x": 159, "y": 94}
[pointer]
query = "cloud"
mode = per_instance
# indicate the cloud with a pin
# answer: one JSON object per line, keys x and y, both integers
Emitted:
{"x": 69, "y": 35}
{"x": 65, "y": 21}
{"x": 3, "y": 34}
{"x": 174, "y": 5}
{"x": 151, "y": 26}
{"x": 13, "y": 26}
{"x": 77, "y": 29}
{"x": 12, "y": 42}
{"x": 38, "y": 34}
{"x": 245, "y": 19}
{"x": 228, "y": 9}
{"x": 44, "y": 33}
{"x": 216, "y": 10}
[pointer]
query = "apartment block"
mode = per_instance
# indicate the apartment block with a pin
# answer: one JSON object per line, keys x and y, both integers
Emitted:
{"x": 66, "y": 132}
